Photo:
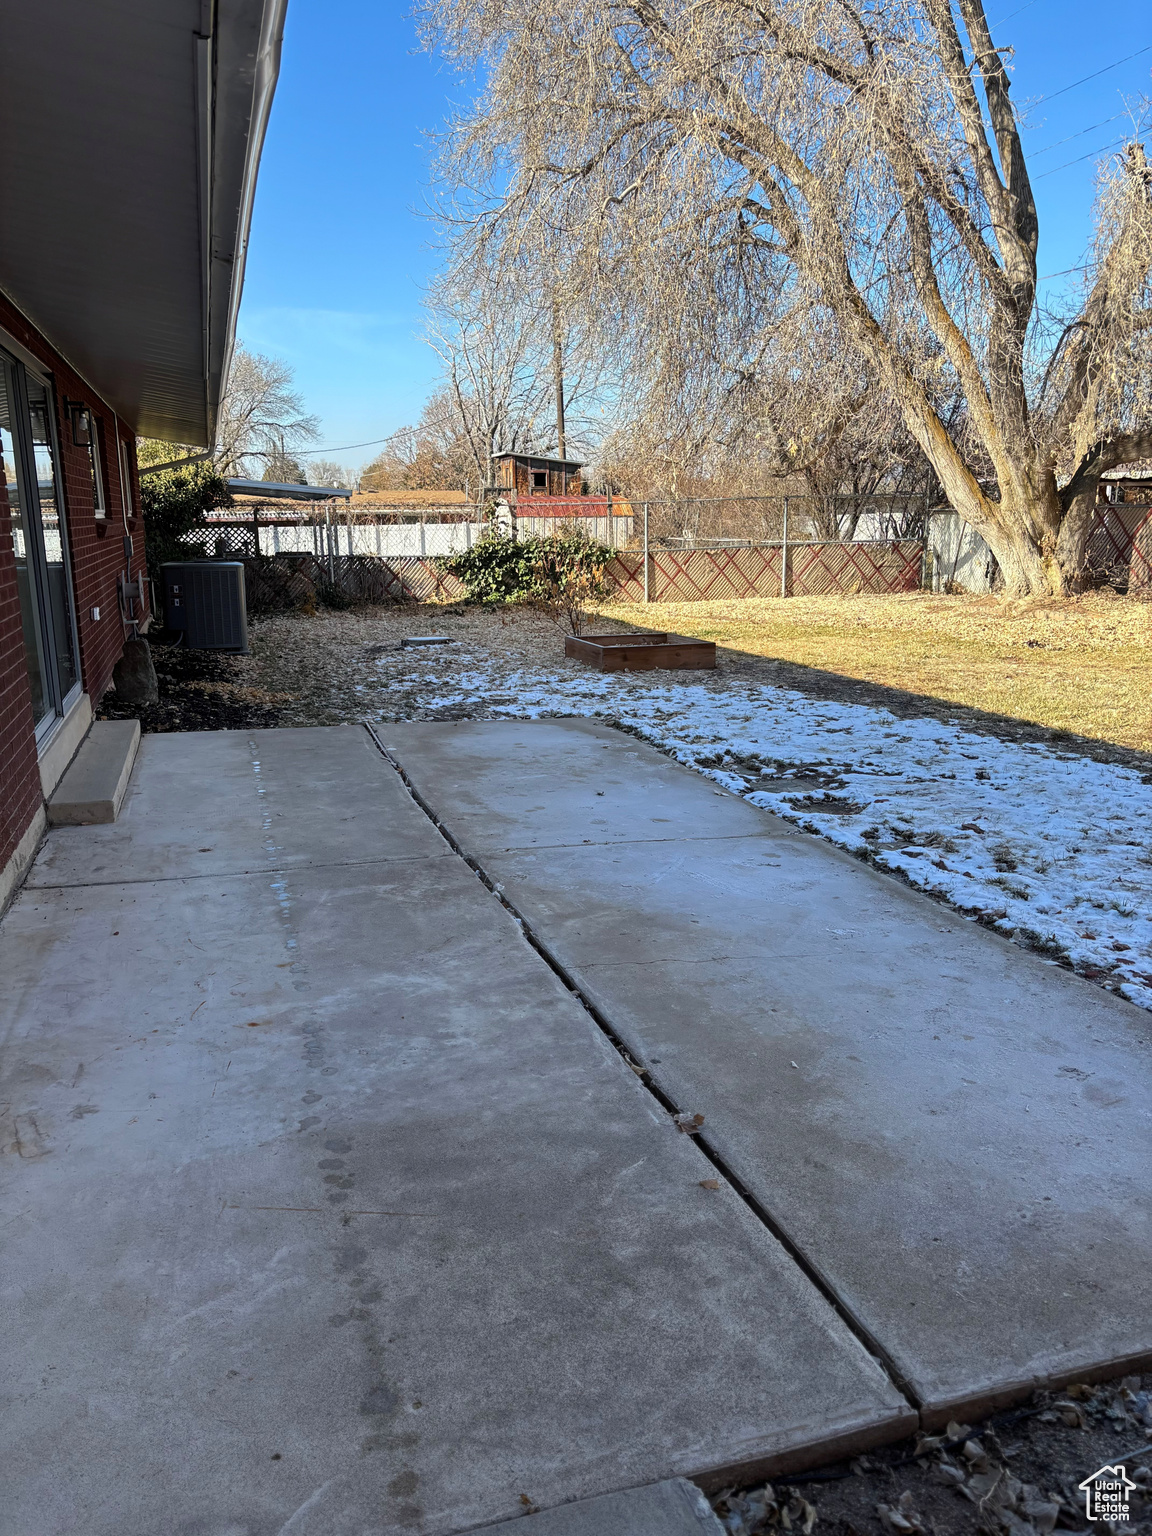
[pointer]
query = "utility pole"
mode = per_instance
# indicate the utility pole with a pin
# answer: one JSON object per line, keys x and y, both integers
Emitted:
{"x": 558, "y": 377}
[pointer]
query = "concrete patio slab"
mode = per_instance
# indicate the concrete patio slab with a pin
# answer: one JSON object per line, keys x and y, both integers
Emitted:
{"x": 611, "y": 788}
{"x": 953, "y": 1132}
{"x": 227, "y": 802}
{"x": 672, "y": 1508}
{"x": 329, "y": 1211}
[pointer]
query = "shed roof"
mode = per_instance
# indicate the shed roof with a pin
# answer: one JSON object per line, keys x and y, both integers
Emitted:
{"x": 535, "y": 458}
{"x": 1138, "y": 469}
{"x": 276, "y": 490}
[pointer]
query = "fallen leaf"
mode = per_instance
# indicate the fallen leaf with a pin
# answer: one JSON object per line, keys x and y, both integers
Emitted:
{"x": 946, "y": 1473}
{"x": 1042, "y": 1514}
{"x": 689, "y": 1123}
{"x": 709, "y": 1183}
{"x": 902, "y": 1517}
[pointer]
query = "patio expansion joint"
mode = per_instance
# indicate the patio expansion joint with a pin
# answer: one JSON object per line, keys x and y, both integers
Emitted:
{"x": 646, "y": 842}
{"x": 812, "y": 1273}
{"x": 231, "y": 874}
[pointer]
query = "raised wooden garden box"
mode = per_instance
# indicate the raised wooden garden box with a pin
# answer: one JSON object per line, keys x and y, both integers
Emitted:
{"x": 640, "y": 653}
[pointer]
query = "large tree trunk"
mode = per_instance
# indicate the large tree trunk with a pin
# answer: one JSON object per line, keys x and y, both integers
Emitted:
{"x": 1017, "y": 528}
{"x": 1075, "y": 530}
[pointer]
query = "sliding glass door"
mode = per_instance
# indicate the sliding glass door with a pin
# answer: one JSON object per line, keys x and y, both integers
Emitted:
{"x": 30, "y": 498}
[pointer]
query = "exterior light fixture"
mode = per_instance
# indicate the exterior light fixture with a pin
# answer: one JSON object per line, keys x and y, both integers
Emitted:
{"x": 80, "y": 418}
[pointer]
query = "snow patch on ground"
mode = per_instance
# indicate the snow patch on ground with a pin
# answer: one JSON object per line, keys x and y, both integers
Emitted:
{"x": 1046, "y": 846}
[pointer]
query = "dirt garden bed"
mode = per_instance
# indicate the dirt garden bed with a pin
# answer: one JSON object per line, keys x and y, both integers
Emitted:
{"x": 1016, "y": 1474}
{"x": 199, "y": 691}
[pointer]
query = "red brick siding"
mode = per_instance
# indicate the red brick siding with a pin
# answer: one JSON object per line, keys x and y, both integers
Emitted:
{"x": 96, "y": 549}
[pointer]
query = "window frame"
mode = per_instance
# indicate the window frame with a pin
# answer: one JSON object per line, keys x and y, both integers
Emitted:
{"x": 126, "y": 501}
{"x": 19, "y": 367}
{"x": 99, "y": 491}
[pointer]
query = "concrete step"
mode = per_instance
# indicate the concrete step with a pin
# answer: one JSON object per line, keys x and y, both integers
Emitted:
{"x": 673, "y": 1508}
{"x": 93, "y": 788}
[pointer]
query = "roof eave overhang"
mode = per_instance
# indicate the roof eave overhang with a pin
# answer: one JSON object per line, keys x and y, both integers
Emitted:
{"x": 245, "y": 86}
{"x": 125, "y": 213}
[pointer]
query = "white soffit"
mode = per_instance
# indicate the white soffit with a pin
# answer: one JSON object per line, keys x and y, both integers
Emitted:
{"x": 130, "y": 136}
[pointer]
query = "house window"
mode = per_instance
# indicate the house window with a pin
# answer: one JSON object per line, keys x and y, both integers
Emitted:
{"x": 125, "y": 478}
{"x": 84, "y": 436}
{"x": 539, "y": 479}
{"x": 98, "y": 499}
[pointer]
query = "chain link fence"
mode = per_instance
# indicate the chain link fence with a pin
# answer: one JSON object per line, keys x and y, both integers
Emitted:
{"x": 687, "y": 549}
{"x": 669, "y": 550}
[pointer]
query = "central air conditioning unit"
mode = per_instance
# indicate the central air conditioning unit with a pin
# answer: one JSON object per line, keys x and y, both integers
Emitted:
{"x": 205, "y": 599}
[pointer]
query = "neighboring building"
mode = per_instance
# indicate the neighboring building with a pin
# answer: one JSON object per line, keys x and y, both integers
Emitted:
{"x": 529, "y": 476}
{"x": 132, "y": 137}
{"x": 257, "y": 492}
{"x": 1127, "y": 482}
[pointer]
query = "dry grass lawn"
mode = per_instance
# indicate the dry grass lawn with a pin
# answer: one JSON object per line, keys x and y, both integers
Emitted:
{"x": 1079, "y": 665}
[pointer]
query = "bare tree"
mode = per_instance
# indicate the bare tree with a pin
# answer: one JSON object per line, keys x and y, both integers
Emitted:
{"x": 849, "y": 448}
{"x": 262, "y": 419}
{"x": 487, "y": 338}
{"x": 518, "y": 365}
{"x": 434, "y": 455}
{"x": 328, "y": 472}
{"x": 726, "y": 176}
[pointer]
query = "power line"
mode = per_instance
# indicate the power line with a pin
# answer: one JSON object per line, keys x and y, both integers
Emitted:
{"x": 1079, "y": 134}
{"x": 1093, "y": 75}
{"x": 310, "y": 453}
{"x": 1104, "y": 148}
{"x": 1010, "y": 15}
{"x": 1083, "y": 267}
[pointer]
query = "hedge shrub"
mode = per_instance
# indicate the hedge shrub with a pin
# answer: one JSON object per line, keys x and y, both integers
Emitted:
{"x": 547, "y": 572}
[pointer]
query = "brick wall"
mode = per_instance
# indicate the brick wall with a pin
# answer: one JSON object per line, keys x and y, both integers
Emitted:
{"x": 96, "y": 548}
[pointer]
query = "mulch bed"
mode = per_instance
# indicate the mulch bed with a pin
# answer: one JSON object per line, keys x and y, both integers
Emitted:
{"x": 1017, "y": 1474}
{"x": 199, "y": 691}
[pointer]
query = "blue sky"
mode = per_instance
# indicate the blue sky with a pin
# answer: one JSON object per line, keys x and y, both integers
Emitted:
{"x": 340, "y": 252}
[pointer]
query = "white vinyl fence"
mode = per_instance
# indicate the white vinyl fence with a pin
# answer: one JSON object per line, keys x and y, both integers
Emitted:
{"x": 958, "y": 558}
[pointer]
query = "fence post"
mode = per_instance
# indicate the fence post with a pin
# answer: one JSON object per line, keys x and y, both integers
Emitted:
{"x": 784, "y": 554}
{"x": 328, "y": 540}
{"x": 608, "y": 540}
{"x": 646, "y": 598}
{"x": 256, "y": 533}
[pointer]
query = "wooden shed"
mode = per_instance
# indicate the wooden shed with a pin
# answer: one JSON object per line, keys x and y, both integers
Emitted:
{"x": 529, "y": 476}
